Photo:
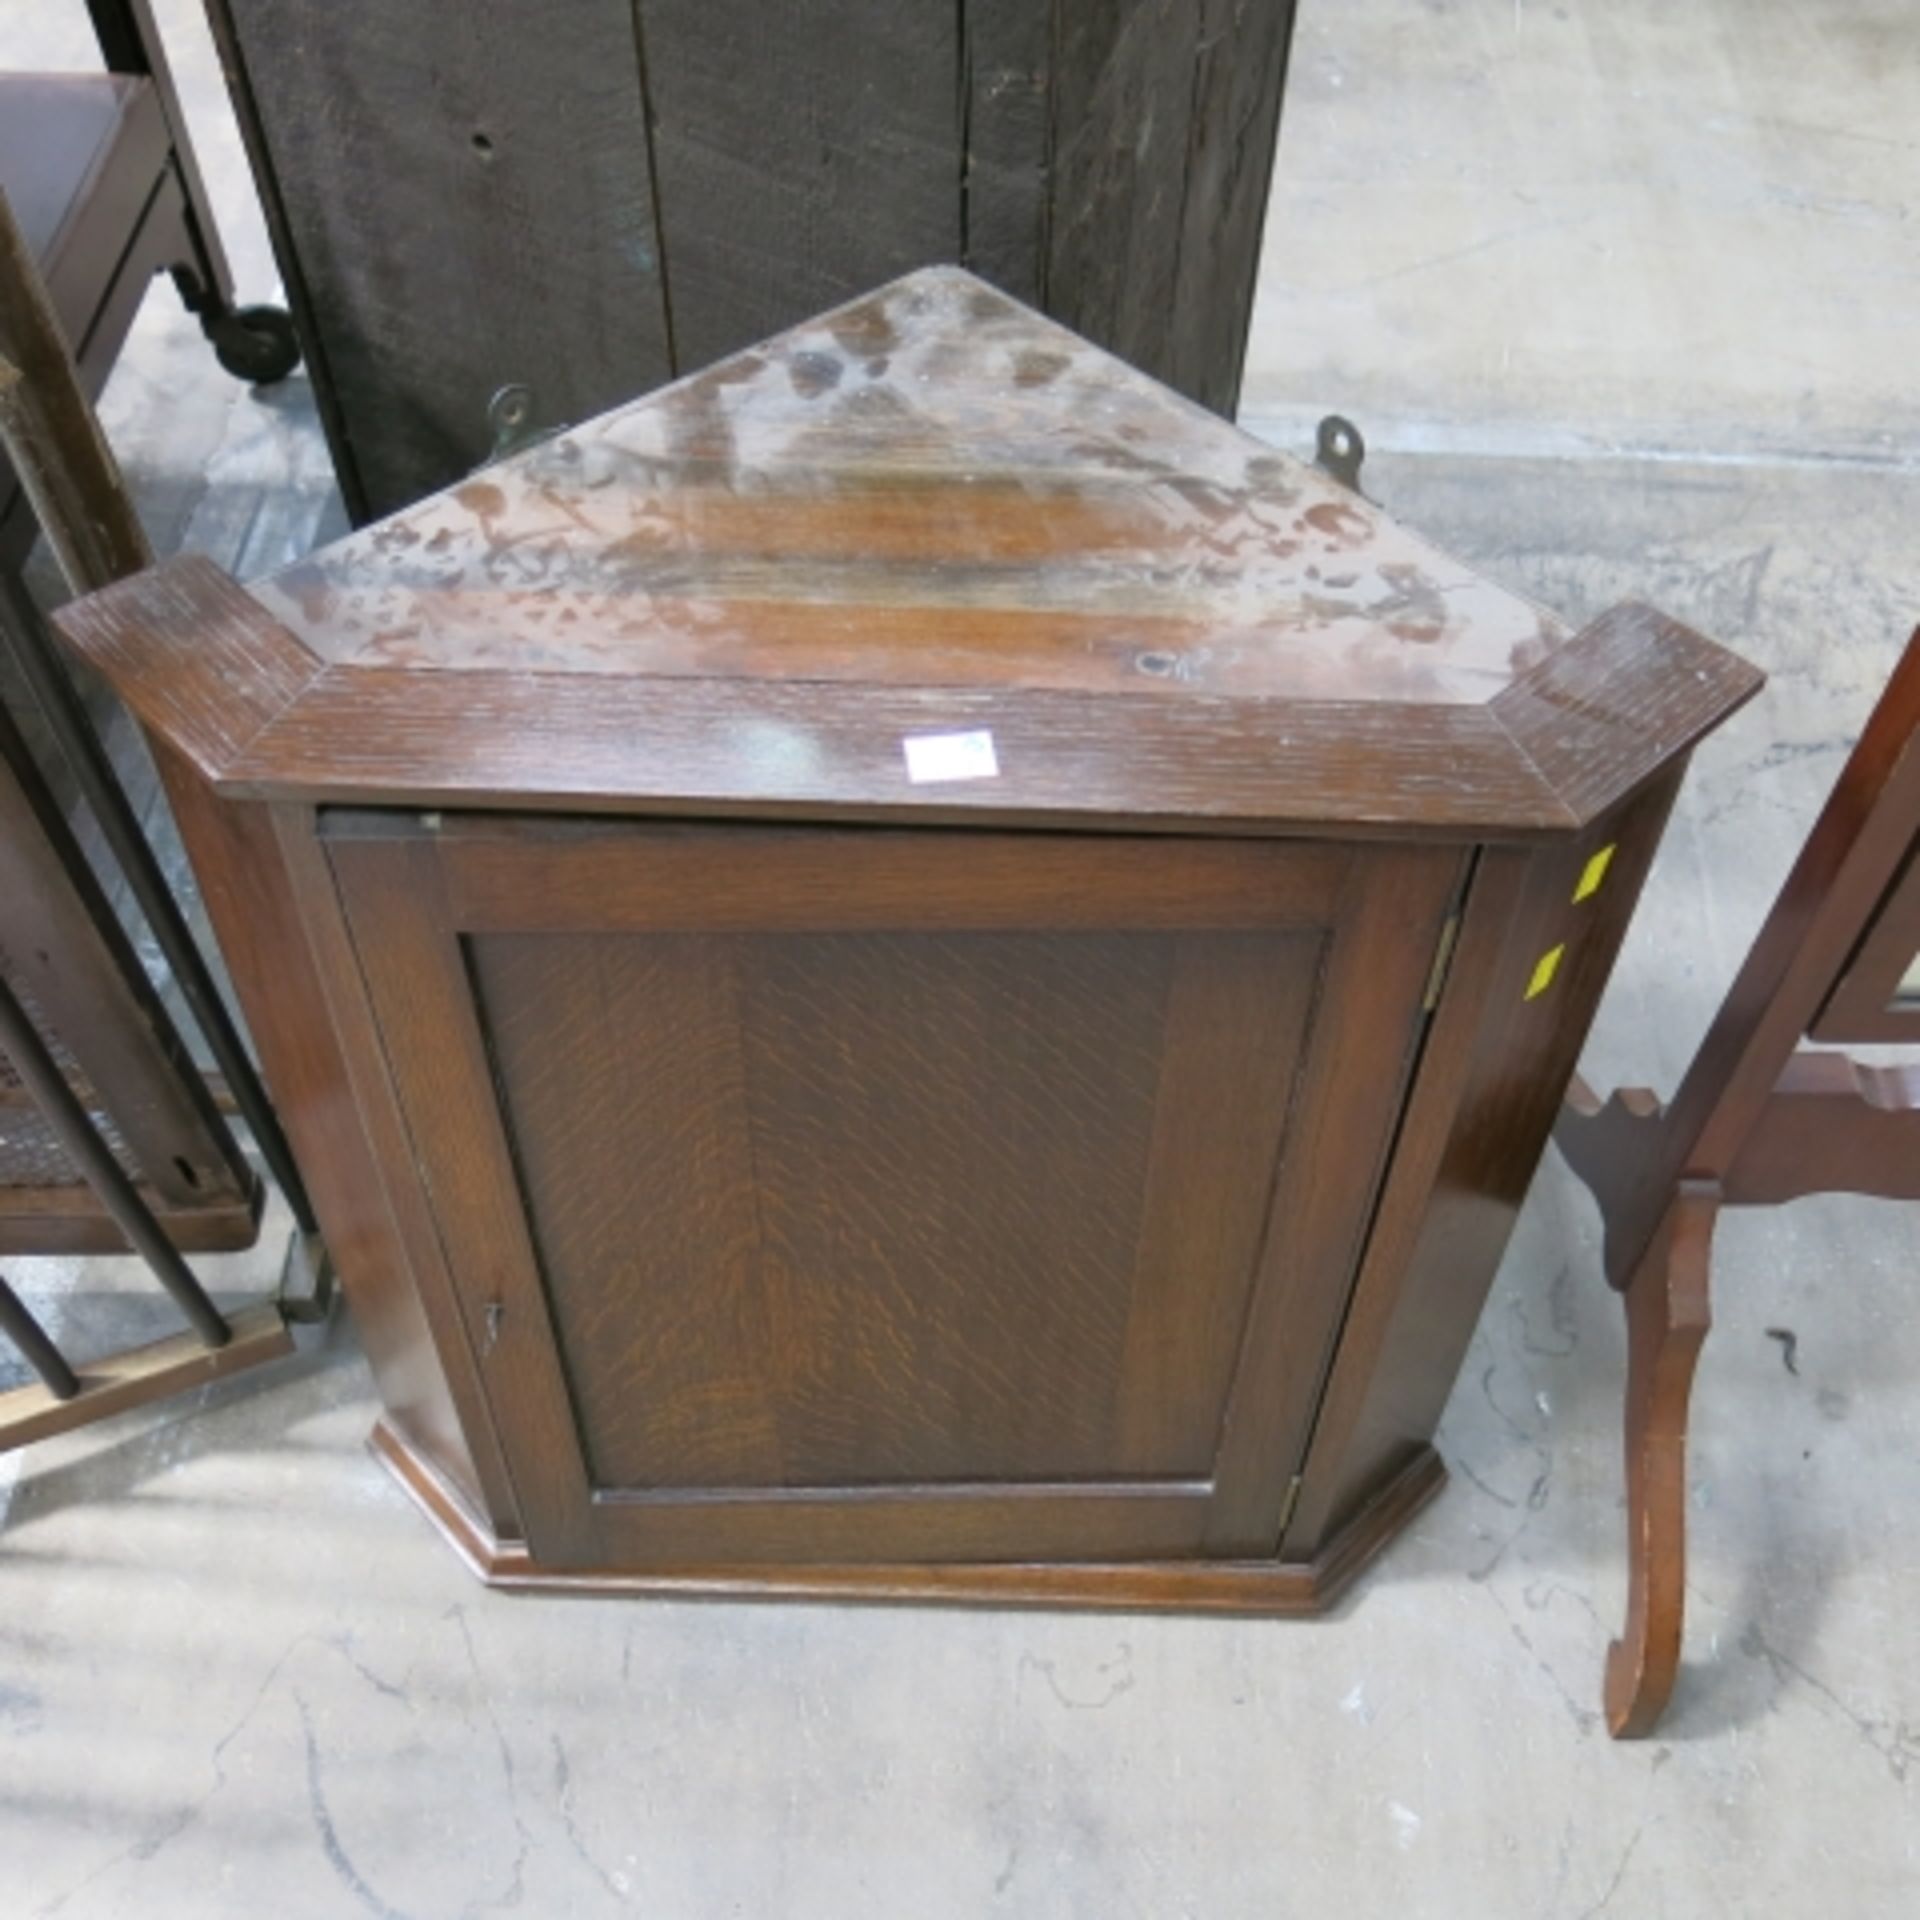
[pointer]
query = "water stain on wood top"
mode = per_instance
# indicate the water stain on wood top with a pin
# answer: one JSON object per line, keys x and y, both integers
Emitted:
{"x": 932, "y": 487}
{"x": 928, "y": 513}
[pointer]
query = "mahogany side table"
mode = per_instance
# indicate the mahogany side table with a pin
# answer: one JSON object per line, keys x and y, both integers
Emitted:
{"x": 911, "y": 968}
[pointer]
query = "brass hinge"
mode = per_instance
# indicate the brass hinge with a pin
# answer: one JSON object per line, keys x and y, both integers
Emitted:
{"x": 1287, "y": 1505}
{"x": 1442, "y": 960}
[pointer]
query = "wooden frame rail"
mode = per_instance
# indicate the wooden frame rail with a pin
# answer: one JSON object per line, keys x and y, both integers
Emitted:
{"x": 1758, "y": 1120}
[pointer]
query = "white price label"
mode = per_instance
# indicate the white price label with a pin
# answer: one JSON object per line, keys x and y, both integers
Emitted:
{"x": 950, "y": 756}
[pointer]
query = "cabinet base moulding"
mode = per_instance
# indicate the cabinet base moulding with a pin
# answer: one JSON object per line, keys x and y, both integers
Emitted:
{"x": 1283, "y": 1588}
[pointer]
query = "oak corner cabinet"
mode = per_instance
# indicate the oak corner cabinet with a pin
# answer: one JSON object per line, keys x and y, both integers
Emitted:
{"x": 910, "y": 967}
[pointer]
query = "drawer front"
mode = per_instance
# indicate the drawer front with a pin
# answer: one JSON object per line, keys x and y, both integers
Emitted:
{"x": 869, "y": 1195}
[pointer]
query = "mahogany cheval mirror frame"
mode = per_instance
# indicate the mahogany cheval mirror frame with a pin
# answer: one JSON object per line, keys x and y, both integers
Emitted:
{"x": 1759, "y": 1119}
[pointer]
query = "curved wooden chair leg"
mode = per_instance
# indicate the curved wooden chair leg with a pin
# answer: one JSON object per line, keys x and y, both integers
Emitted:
{"x": 1667, "y": 1319}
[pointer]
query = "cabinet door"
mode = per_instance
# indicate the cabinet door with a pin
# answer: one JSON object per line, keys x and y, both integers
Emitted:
{"x": 893, "y": 1195}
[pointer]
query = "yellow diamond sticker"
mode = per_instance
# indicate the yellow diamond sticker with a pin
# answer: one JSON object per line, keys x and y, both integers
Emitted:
{"x": 1594, "y": 872}
{"x": 1543, "y": 971}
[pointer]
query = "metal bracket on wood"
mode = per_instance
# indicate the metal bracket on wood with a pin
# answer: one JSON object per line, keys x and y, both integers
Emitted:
{"x": 1339, "y": 450}
{"x": 510, "y": 416}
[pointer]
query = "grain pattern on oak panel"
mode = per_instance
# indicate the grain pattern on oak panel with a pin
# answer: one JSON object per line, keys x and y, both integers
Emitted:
{"x": 803, "y": 152}
{"x": 469, "y": 183}
{"x": 621, "y": 1077}
{"x": 615, "y": 877}
{"x": 956, "y": 1128}
{"x": 948, "y": 1139}
{"x": 1237, "y": 1017}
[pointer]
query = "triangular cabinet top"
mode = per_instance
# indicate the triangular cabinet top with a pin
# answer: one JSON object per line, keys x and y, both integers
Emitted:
{"x": 929, "y": 513}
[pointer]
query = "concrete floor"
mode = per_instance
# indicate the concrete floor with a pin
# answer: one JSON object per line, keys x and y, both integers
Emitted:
{"x": 237, "y": 1674}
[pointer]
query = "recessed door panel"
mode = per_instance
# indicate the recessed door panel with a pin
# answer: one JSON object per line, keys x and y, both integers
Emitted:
{"x": 847, "y": 1205}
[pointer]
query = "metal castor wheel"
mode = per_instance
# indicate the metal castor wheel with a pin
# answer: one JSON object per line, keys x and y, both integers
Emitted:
{"x": 256, "y": 344}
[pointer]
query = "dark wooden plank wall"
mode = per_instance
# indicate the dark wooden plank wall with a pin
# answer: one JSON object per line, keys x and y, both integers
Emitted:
{"x": 1006, "y": 142}
{"x": 589, "y": 196}
{"x": 465, "y": 185}
{"x": 805, "y": 152}
{"x": 1123, "y": 100}
{"x": 1240, "y": 60}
